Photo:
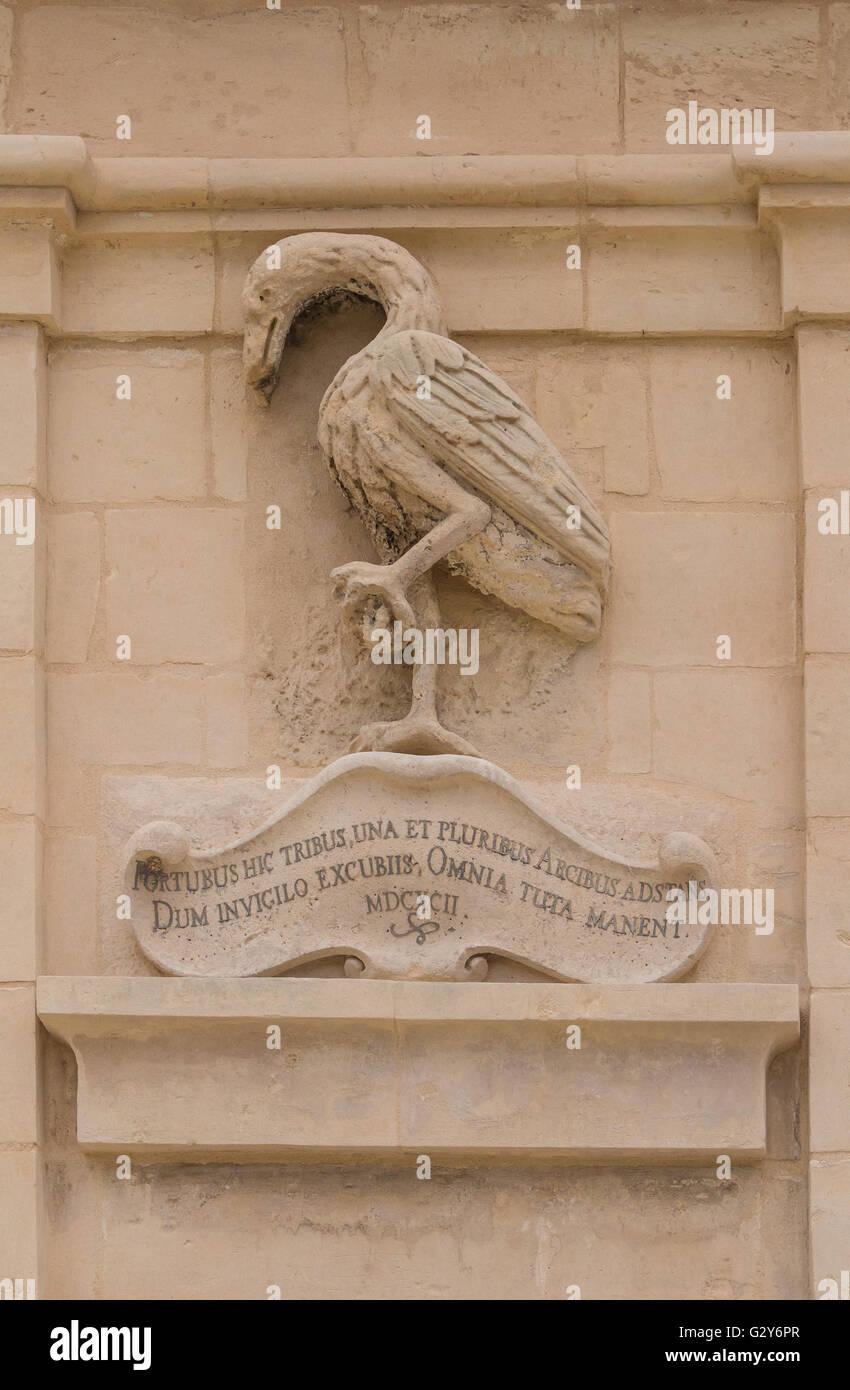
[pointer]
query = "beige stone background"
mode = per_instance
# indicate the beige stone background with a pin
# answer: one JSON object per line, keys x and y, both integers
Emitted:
{"x": 155, "y": 527}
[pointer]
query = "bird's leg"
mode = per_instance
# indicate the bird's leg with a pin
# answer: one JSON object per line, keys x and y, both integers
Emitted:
{"x": 424, "y": 685}
{"x": 420, "y": 731}
{"x": 465, "y": 516}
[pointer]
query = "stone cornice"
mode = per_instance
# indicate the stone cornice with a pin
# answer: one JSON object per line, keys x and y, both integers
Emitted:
{"x": 177, "y": 1069}
{"x": 677, "y": 177}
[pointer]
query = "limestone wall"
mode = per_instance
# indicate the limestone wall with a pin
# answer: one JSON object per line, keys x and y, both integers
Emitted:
{"x": 126, "y": 259}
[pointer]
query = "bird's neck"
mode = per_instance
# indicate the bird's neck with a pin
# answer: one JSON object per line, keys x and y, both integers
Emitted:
{"x": 399, "y": 284}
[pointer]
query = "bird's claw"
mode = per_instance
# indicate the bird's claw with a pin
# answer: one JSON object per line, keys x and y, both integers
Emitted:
{"x": 417, "y": 733}
{"x": 356, "y": 583}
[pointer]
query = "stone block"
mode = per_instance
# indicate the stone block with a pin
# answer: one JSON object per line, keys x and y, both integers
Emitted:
{"x": 678, "y": 581}
{"x": 22, "y": 548}
{"x": 829, "y": 1183}
{"x": 823, "y": 367}
{"x": 814, "y": 253}
{"x": 29, "y": 274}
{"x": 73, "y": 584}
{"x": 125, "y": 718}
{"x": 735, "y": 732}
{"x": 18, "y": 1065}
{"x": 827, "y": 682}
{"x": 20, "y": 1194}
{"x": 393, "y": 1068}
{"x": 23, "y": 736}
{"x": 23, "y": 412}
{"x": 418, "y": 60}
{"x": 71, "y": 906}
{"x": 837, "y": 58}
{"x": 138, "y": 285}
{"x": 672, "y": 57}
{"x": 717, "y": 450}
{"x": 175, "y": 584}
{"x": 629, "y": 722}
{"x": 527, "y": 286}
{"x": 230, "y": 415}
{"x": 20, "y": 904}
{"x": 827, "y": 914}
{"x": 226, "y": 720}
{"x": 681, "y": 280}
{"x": 826, "y": 587}
{"x": 829, "y": 1054}
{"x": 106, "y": 449}
{"x": 203, "y": 84}
{"x": 597, "y": 398}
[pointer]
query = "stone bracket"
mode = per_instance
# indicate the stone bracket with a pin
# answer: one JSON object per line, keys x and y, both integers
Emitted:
{"x": 180, "y": 1070}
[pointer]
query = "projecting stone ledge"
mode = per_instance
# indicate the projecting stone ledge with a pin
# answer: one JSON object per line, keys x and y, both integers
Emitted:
{"x": 181, "y": 1069}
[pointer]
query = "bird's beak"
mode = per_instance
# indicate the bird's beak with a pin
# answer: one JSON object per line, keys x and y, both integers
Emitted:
{"x": 262, "y": 351}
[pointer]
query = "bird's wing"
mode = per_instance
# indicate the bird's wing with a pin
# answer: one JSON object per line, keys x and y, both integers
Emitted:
{"x": 470, "y": 421}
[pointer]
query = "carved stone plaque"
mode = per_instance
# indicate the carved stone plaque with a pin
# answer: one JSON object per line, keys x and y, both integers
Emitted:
{"x": 416, "y": 868}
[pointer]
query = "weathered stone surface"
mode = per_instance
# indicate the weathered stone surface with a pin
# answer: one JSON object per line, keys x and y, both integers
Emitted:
{"x": 673, "y": 56}
{"x": 569, "y": 60}
{"x": 264, "y": 89}
{"x": 524, "y": 1230}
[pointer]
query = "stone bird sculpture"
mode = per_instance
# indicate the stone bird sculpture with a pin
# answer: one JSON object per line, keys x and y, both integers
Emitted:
{"x": 439, "y": 457}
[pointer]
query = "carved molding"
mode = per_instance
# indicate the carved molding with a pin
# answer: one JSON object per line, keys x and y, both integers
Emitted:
{"x": 180, "y": 1070}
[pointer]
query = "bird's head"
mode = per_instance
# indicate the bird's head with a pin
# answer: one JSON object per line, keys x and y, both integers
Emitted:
{"x": 299, "y": 269}
{"x": 267, "y": 321}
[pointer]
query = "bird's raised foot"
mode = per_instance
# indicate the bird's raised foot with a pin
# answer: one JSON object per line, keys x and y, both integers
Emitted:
{"x": 417, "y": 733}
{"x": 356, "y": 583}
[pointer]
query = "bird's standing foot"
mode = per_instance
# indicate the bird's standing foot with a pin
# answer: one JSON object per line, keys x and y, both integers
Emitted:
{"x": 418, "y": 732}
{"x": 356, "y": 583}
